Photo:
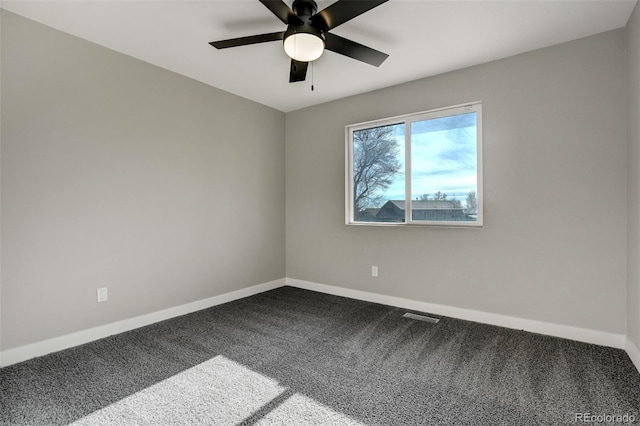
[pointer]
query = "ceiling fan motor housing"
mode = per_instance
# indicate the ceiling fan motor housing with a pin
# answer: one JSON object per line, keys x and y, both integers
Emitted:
{"x": 305, "y": 9}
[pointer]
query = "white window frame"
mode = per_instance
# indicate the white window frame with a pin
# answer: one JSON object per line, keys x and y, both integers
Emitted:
{"x": 407, "y": 120}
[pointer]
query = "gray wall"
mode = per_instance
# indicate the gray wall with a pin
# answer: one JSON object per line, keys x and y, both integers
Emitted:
{"x": 120, "y": 174}
{"x": 553, "y": 247}
{"x": 117, "y": 173}
{"x": 633, "y": 297}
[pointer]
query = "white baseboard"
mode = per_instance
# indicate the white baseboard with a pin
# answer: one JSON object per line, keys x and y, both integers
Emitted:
{"x": 633, "y": 352}
{"x": 564, "y": 331}
{"x": 23, "y": 353}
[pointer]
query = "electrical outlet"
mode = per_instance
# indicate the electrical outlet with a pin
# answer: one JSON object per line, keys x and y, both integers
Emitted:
{"x": 103, "y": 296}
{"x": 374, "y": 271}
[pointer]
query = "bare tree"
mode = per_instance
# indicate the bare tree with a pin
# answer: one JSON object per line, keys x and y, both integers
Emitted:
{"x": 472, "y": 202}
{"x": 455, "y": 203}
{"x": 441, "y": 196}
{"x": 375, "y": 164}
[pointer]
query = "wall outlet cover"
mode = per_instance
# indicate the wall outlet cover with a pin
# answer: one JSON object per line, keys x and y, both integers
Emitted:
{"x": 103, "y": 295}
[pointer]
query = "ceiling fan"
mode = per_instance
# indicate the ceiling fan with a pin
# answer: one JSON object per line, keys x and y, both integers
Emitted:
{"x": 307, "y": 34}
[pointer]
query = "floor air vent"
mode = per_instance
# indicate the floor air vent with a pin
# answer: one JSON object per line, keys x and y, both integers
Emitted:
{"x": 421, "y": 318}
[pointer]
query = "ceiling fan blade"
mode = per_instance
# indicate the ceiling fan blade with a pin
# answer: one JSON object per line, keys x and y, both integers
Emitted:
{"x": 298, "y": 71}
{"x": 282, "y": 11}
{"x": 354, "y": 50}
{"x": 342, "y": 11}
{"x": 243, "y": 41}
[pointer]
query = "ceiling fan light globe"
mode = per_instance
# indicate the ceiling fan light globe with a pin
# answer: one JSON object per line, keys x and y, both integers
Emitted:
{"x": 303, "y": 47}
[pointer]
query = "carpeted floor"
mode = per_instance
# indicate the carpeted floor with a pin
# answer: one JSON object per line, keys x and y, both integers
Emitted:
{"x": 292, "y": 356}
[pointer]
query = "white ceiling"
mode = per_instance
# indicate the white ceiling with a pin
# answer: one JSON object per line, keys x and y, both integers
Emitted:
{"x": 422, "y": 37}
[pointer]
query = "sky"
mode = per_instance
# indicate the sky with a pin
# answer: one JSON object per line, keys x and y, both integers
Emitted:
{"x": 444, "y": 159}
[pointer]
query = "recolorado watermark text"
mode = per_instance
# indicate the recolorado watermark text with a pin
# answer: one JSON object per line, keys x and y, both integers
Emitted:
{"x": 604, "y": 418}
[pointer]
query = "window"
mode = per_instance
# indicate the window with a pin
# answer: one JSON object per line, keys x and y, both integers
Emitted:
{"x": 418, "y": 169}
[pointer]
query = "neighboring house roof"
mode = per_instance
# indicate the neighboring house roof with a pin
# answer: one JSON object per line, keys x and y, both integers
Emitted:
{"x": 435, "y": 210}
{"x": 425, "y": 204}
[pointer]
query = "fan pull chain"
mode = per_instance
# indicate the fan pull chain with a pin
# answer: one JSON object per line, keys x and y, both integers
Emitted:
{"x": 312, "y": 76}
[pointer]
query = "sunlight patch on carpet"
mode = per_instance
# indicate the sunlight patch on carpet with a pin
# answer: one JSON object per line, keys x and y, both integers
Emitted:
{"x": 219, "y": 391}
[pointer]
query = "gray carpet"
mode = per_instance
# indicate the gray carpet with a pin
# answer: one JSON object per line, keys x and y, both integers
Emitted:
{"x": 291, "y": 356}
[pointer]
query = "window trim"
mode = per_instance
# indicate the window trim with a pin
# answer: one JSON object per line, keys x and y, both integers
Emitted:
{"x": 407, "y": 119}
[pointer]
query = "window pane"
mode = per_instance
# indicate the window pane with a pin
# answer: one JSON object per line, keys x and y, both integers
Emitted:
{"x": 444, "y": 172}
{"x": 378, "y": 174}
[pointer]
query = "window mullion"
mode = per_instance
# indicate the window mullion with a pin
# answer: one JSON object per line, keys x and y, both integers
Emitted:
{"x": 407, "y": 172}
